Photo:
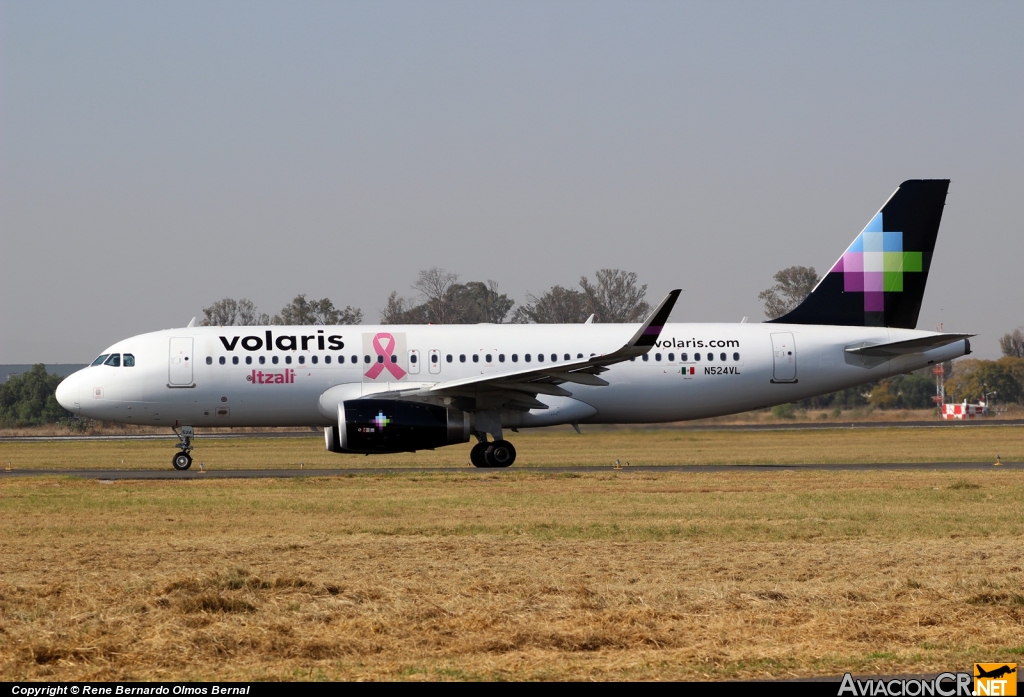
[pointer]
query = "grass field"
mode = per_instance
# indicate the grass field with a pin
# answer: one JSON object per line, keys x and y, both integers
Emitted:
{"x": 516, "y": 574}
{"x": 549, "y": 447}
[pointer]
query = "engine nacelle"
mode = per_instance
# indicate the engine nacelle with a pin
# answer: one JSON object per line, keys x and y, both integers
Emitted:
{"x": 391, "y": 426}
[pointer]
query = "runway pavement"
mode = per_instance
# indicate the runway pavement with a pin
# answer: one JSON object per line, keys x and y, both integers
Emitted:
{"x": 169, "y": 474}
{"x": 810, "y": 426}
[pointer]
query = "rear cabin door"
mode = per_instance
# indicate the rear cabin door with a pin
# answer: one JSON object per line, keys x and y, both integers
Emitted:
{"x": 179, "y": 373}
{"x": 784, "y": 356}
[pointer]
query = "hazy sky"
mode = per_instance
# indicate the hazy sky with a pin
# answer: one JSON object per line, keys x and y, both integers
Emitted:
{"x": 155, "y": 157}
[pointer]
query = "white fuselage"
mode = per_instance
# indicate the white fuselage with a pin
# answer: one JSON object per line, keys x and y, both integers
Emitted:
{"x": 227, "y": 376}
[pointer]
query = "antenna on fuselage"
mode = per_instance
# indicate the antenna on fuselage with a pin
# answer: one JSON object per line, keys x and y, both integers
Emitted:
{"x": 192, "y": 323}
{"x": 590, "y": 320}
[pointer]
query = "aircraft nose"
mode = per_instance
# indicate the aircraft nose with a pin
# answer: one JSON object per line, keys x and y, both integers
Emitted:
{"x": 69, "y": 393}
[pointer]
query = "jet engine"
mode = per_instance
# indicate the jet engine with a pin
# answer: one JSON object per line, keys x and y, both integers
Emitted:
{"x": 391, "y": 426}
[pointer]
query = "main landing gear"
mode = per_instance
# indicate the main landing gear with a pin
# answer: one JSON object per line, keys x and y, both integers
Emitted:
{"x": 182, "y": 460}
{"x": 499, "y": 453}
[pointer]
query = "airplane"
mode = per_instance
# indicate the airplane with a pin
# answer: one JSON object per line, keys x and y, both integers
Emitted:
{"x": 403, "y": 388}
{"x": 995, "y": 672}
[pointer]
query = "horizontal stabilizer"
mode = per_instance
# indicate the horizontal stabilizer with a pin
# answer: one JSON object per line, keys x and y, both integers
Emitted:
{"x": 900, "y": 348}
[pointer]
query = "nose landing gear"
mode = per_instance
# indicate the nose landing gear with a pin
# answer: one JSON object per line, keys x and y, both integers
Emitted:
{"x": 499, "y": 453}
{"x": 182, "y": 460}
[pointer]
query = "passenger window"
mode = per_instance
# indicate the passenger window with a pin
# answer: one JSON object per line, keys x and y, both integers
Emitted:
{"x": 263, "y": 359}
{"x": 222, "y": 360}
{"x": 568, "y": 357}
{"x": 288, "y": 360}
{"x": 366, "y": 359}
{"x": 462, "y": 358}
{"x": 209, "y": 360}
{"x": 114, "y": 361}
{"x": 722, "y": 356}
{"x": 683, "y": 357}
{"x": 129, "y": 361}
{"x": 736, "y": 356}
{"x": 476, "y": 358}
{"x": 302, "y": 360}
{"x": 711, "y": 356}
{"x": 327, "y": 360}
{"x": 526, "y": 357}
{"x": 579, "y": 355}
{"x": 671, "y": 357}
{"x": 234, "y": 360}
{"x": 248, "y": 360}
{"x": 487, "y": 358}
{"x": 380, "y": 359}
{"x": 501, "y": 358}
{"x": 554, "y": 357}
{"x": 99, "y": 359}
{"x": 316, "y": 359}
{"x": 448, "y": 358}
{"x": 657, "y": 356}
{"x": 413, "y": 358}
{"x": 696, "y": 356}
{"x": 273, "y": 359}
{"x": 515, "y": 357}
{"x": 647, "y": 357}
{"x": 540, "y": 357}
{"x": 434, "y": 357}
{"x": 394, "y": 359}
{"x": 355, "y": 359}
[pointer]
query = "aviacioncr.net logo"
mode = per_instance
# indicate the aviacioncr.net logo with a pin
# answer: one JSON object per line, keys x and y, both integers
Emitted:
{"x": 944, "y": 685}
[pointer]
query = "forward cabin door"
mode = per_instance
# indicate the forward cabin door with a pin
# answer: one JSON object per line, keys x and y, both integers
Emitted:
{"x": 784, "y": 355}
{"x": 179, "y": 372}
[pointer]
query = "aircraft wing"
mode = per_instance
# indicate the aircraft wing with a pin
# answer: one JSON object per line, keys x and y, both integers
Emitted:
{"x": 518, "y": 388}
{"x": 898, "y": 348}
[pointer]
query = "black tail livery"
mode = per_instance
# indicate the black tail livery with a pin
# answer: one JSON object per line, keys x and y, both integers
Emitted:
{"x": 879, "y": 281}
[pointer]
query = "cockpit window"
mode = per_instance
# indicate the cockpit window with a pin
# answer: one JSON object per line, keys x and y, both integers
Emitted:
{"x": 114, "y": 360}
{"x": 100, "y": 359}
{"x": 128, "y": 360}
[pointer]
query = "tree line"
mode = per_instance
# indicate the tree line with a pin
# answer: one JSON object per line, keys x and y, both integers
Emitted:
{"x": 613, "y": 295}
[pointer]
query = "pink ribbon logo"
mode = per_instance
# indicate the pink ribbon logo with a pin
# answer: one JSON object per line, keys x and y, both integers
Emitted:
{"x": 388, "y": 361}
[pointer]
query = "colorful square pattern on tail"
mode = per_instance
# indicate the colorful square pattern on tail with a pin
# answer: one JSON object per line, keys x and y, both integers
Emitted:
{"x": 875, "y": 263}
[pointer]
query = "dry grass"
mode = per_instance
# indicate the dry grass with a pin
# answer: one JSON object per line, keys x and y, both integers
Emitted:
{"x": 511, "y": 575}
{"x": 558, "y": 447}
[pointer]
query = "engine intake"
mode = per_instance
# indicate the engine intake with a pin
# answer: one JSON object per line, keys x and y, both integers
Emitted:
{"x": 391, "y": 426}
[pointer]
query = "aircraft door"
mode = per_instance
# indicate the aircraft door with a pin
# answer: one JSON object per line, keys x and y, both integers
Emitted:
{"x": 435, "y": 361}
{"x": 784, "y": 357}
{"x": 180, "y": 370}
{"x": 414, "y": 361}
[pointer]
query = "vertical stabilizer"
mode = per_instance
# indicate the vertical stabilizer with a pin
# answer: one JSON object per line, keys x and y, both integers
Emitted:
{"x": 879, "y": 281}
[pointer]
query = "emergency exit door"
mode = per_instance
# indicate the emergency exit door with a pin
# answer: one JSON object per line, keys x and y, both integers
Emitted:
{"x": 784, "y": 356}
{"x": 179, "y": 373}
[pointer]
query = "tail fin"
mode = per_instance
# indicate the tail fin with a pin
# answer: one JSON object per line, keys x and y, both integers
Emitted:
{"x": 880, "y": 280}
